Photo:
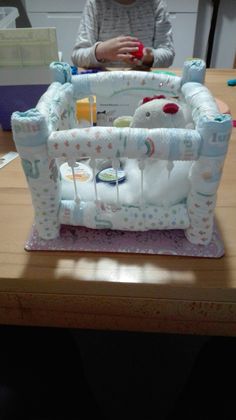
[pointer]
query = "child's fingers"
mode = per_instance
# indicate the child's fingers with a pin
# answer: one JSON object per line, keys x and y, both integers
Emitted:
{"x": 127, "y": 50}
{"x": 148, "y": 57}
{"x": 129, "y": 44}
{"x": 137, "y": 62}
{"x": 128, "y": 38}
{"x": 147, "y": 51}
{"x": 127, "y": 58}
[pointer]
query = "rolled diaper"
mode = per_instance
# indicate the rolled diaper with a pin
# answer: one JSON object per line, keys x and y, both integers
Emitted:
{"x": 61, "y": 72}
{"x": 102, "y": 216}
{"x": 194, "y": 71}
{"x": 30, "y": 134}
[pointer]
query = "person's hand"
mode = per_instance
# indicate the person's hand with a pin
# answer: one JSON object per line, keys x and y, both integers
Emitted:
{"x": 117, "y": 49}
{"x": 148, "y": 57}
{"x": 146, "y": 61}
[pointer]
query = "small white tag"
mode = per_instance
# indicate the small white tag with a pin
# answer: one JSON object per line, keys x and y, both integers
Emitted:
{"x": 4, "y": 160}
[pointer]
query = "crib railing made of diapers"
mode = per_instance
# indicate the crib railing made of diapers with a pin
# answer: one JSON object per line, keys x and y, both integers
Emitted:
{"x": 50, "y": 132}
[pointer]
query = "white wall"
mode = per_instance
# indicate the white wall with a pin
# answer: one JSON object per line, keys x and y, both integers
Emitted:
{"x": 224, "y": 47}
{"x": 202, "y": 29}
{"x": 225, "y": 38}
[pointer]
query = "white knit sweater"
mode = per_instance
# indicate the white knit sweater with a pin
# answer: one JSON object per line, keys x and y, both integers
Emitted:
{"x": 148, "y": 20}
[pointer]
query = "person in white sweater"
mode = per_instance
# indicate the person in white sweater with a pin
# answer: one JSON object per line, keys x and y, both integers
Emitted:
{"x": 110, "y": 30}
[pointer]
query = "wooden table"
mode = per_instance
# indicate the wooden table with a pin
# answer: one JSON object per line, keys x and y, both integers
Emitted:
{"x": 117, "y": 291}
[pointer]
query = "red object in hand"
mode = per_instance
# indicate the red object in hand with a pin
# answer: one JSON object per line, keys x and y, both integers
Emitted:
{"x": 139, "y": 53}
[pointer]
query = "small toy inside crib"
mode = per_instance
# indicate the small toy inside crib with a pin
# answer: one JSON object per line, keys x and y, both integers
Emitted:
{"x": 157, "y": 168}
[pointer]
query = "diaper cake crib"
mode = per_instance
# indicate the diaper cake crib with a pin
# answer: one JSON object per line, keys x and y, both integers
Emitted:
{"x": 163, "y": 164}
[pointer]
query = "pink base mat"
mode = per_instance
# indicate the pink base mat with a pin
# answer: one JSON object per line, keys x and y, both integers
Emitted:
{"x": 162, "y": 242}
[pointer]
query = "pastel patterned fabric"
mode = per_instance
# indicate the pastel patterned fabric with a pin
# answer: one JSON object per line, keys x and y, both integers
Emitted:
{"x": 110, "y": 83}
{"x": 112, "y": 142}
{"x": 102, "y": 216}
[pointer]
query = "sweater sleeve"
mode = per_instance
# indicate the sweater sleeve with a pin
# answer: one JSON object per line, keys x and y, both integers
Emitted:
{"x": 163, "y": 47}
{"x": 83, "y": 54}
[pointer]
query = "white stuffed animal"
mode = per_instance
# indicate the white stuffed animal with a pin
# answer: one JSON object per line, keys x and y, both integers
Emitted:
{"x": 164, "y": 183}
{"x": 162, "y": 112}
{"x": 158, "y": 112}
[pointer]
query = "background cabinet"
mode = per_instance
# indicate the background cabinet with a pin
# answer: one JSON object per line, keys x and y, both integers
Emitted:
{"x": 224, "y": 46}
{"x": 183, "y": 15}
{"x": 65, "y": 15}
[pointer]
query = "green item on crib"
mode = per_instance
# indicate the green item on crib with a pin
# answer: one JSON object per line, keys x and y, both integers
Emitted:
{"x": 164, "y": 72}
{"x": 124, "y": 121}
